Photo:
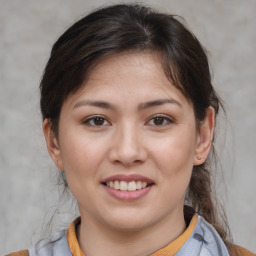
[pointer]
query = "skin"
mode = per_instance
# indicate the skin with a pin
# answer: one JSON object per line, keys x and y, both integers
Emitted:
{"x": 129, "y": 139}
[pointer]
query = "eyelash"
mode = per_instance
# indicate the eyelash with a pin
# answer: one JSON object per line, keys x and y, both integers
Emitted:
{"x": 166, "y": 120}
{"x": 93, "y": 119}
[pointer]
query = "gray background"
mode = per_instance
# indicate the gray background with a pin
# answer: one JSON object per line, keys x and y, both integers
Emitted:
{"x": 28, "y": 28}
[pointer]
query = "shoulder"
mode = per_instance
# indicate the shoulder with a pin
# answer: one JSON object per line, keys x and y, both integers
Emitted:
{"x": 20, "y": 253}
{"x": 214, "y": 241}
{"x": 56, "y": 246}
{"x": 211, "y": 234}
{"x": 240, "y": 251}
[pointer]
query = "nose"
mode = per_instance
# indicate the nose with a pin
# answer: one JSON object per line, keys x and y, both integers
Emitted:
{"x": 127, "y": 146}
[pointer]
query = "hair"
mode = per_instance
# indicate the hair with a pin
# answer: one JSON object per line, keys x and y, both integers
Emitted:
{"x": 135, "y": 28}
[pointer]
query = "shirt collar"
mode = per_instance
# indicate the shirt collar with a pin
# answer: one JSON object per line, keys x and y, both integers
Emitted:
{"x": 170, "y": 249}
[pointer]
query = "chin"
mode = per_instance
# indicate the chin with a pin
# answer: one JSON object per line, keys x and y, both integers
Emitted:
{"x": 128, "y": 222}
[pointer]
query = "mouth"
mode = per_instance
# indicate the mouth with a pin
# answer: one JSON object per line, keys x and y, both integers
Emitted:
{"x": 133, "y": 183}
{"x": 127, "y": 185}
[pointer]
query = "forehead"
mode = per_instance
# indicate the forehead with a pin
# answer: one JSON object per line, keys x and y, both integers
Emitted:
{"x": 127, "y": 83}
{"x": 130, "y": 74}
{"x": 130, "y": 65}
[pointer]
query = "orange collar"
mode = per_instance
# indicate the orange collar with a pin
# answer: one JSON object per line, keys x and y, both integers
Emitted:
{"x": 169, "y": 250}
{"x": 175, "y": 245}
{"x": 72, "y": 238}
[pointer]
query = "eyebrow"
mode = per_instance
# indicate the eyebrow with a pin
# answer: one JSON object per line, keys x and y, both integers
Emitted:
{"x": 141, "y": 106}
{"x": 99, "y": 104}
{"x": 158, "y": 102}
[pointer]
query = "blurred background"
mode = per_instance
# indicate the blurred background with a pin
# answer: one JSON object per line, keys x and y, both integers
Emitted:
{"x": 28, "y": 28}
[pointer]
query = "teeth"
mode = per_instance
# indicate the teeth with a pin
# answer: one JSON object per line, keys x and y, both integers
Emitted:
{"x": 123, "y": 185}
{"x": 127, "y": 186}
{"x": 111, "y": 184}
{"x": 116, "y": 184}
{"x": 132, "y": 186}
{"x": 138, "y": 185}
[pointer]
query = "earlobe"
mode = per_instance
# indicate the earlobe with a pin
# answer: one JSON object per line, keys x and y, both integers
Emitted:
{"x": 205, "y": 137}
{"x": 52, "y": 143}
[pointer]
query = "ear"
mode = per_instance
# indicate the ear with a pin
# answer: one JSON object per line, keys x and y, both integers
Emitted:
{"x": 205, "y": 137}
{"x": 52, "y": 143}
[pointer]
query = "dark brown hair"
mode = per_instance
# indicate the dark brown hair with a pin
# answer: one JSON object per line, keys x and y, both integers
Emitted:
{"x": 118, "y": 28}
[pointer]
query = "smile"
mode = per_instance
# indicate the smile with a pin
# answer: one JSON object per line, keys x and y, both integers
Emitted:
{"x": 127, "y": 186}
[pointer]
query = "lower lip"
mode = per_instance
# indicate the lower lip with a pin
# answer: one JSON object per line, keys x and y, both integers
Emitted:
{"x": 128, "y": 195}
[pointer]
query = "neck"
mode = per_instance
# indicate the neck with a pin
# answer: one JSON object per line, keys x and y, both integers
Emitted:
{"x": 96, "y": 239}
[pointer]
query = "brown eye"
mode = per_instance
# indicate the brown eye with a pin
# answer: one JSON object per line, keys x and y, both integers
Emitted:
{"x": 159, "y": 121}
{"x": 96, "y": 121}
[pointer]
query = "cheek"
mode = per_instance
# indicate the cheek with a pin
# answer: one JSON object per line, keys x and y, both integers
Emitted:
{"x": 174, "y": 158}
{"x": 177, "y": 151}
{"x": 83, "y": 157}
{"x": 80, "y": 157}
{"x": 80, "y": 161}
{"x": 78, "y": 147}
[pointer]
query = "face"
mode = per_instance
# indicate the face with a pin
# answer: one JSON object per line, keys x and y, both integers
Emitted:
{"x": 127, "y": 142}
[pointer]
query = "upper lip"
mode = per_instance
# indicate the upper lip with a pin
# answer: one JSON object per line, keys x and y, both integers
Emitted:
{"x": 127, "y": 178}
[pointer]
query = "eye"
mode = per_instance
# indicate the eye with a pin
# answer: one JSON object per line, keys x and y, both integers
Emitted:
{"x": 96, "y": 121}
{"x": 159, "y": 120}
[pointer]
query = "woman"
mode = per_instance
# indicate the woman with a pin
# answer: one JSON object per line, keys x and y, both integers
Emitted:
{"x": 129, "y": 113}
